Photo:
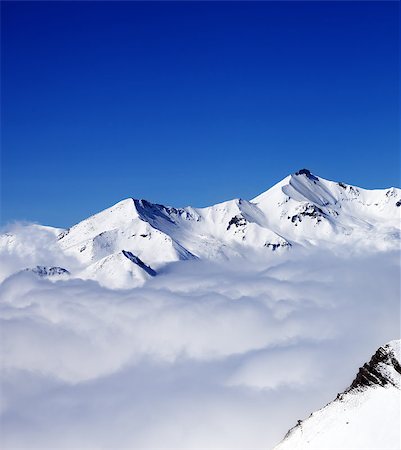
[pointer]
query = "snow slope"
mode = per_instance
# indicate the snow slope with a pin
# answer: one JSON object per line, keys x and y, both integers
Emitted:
{"x": 366, "y": 416}
{"x": 302, "y": 210}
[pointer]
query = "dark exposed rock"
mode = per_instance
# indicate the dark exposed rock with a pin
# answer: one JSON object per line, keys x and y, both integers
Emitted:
{"x": 274, "y": 247}
{"x": 398, "y": 204}
{"x": 43, "y": 271}
{"x": 238, "y": 221}
{"x": 308, "y": 210}
{"x": 63, "y": 233}
{"x": 308, "y": 174}
{"x": 374, "y": 373}
{"x": 354, "y": 191}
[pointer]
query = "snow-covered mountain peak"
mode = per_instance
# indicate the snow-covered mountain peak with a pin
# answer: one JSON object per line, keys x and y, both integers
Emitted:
{"x": 305, "y": 207}
{"x": 111, "y": 218}
{"x": 371, "y": 402}
{"x": 301, "y": 210}
{"x": 301, "y": 187}
{"x": 383, "y": 369}
{"x": 304, "y": 186}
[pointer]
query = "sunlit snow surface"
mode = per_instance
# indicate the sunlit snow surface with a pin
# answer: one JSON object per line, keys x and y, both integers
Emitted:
{"x": 225, "y": 348}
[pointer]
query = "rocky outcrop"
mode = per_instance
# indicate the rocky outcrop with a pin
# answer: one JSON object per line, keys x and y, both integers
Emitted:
{"x": 379, "y": 371}
{"x": 43, "y": 271}
{"x": 372, "y": 400}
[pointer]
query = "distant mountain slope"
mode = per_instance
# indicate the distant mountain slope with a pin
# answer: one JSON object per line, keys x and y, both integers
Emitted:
{"x": 301, "y": 210}
{"x": 365, "y": 417}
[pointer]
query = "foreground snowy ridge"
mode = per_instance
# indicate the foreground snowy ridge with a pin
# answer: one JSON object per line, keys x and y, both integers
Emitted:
{"x": 123, "y": 246}
{"x": 364, "y": 416}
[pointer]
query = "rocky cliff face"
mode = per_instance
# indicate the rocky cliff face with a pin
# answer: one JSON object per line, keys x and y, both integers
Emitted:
{"x": 383, "y": 369}
{"x": 371, "y": 403}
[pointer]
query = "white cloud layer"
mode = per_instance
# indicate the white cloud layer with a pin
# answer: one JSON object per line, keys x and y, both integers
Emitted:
{"x": 204, "y": 356}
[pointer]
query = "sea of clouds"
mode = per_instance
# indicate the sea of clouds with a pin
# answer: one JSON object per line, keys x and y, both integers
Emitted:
{"x": 204, "y": 356}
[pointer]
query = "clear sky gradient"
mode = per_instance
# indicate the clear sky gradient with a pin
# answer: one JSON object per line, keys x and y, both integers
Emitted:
{"x": 191, "y": 103}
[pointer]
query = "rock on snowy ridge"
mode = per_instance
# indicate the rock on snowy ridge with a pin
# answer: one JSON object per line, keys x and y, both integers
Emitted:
{"x": 43, "y": 271}
{"x": 365, "y": 416}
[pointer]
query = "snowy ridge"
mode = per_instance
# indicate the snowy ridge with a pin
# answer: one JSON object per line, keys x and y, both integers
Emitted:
{"x": 372, "y": 402}
{"x": 301, "y": 210}
{"x": 383, "y": 369}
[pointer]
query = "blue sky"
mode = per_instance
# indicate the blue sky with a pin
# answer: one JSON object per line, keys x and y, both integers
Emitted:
{"x": 191, "y": 103}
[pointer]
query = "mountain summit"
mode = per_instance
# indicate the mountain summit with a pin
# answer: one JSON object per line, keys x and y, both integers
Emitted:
{"x": 129, "y": 242}
{"x": 364, "y": 416}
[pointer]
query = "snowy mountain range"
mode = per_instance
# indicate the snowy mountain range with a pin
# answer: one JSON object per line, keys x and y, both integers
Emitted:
{"x": 365, "y": 416}
{"x": 128, "y": 243}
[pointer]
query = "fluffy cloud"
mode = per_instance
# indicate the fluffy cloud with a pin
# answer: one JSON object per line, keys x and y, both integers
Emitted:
{"x": 27, "y": 245}
{"x": 205, "y": 355}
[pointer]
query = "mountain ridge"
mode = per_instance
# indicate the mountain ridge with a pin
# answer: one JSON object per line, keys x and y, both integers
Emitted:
{"x": 302, "y": 210}
{"x": 337, "y": 425}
